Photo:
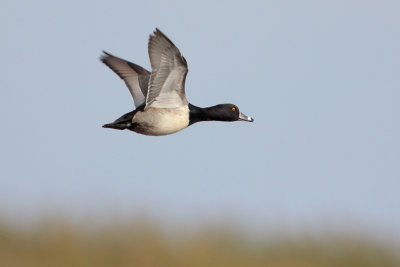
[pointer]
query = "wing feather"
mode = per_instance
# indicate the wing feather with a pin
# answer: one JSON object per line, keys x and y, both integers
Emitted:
{"x": 169, "y": 70}
{"x": 135, "y": 77}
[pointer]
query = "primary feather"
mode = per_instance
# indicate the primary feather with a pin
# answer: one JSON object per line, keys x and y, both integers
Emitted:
{"x": 135, "y": 77}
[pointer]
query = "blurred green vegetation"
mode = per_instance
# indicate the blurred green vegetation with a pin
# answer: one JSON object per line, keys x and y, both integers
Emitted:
{"x": 142, "y": 243}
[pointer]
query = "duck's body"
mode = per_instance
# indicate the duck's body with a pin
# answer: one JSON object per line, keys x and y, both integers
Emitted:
{"x": 161, "y": 121}
{"x": 159, "y": 96}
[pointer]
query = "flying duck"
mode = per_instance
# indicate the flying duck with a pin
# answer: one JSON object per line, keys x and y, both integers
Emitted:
{"x": 159, "y": 96}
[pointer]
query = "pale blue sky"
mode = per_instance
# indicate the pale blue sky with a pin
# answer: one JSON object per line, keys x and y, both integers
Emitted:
{"x": 321, "y": 80}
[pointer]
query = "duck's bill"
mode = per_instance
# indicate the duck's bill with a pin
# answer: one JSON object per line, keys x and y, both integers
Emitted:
{"x": 243, "y": 117}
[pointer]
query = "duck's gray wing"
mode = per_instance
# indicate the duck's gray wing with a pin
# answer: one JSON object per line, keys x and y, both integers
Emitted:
{"x": 169, "y": 69}
{"x": 134, "y": 76}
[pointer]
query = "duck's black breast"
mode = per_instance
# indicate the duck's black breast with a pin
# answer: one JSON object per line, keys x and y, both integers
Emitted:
{"x": 196, "y": 114}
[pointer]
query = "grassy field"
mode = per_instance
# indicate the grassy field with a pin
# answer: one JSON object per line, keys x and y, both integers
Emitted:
{"x": 52, "y": 243}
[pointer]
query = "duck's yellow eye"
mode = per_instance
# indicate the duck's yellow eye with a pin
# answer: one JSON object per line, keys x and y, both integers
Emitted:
{"x": 233, "y": 109}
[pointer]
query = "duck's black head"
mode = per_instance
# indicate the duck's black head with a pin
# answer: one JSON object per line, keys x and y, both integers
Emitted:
{"x": 222, "y": 112}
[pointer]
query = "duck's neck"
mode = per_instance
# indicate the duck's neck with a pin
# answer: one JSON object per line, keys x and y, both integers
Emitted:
{"x": 197, "y": 114}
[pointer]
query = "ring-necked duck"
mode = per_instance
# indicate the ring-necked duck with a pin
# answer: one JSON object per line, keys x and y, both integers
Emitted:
{"x": 159, "y": 96}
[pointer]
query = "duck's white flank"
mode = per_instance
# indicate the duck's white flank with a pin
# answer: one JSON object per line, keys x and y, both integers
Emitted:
{"x": 162, "y": 121}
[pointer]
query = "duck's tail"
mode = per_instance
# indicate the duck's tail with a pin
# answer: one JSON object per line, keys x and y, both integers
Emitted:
{"x": 124, "y": 122}
{"x": 118, "y": 126}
